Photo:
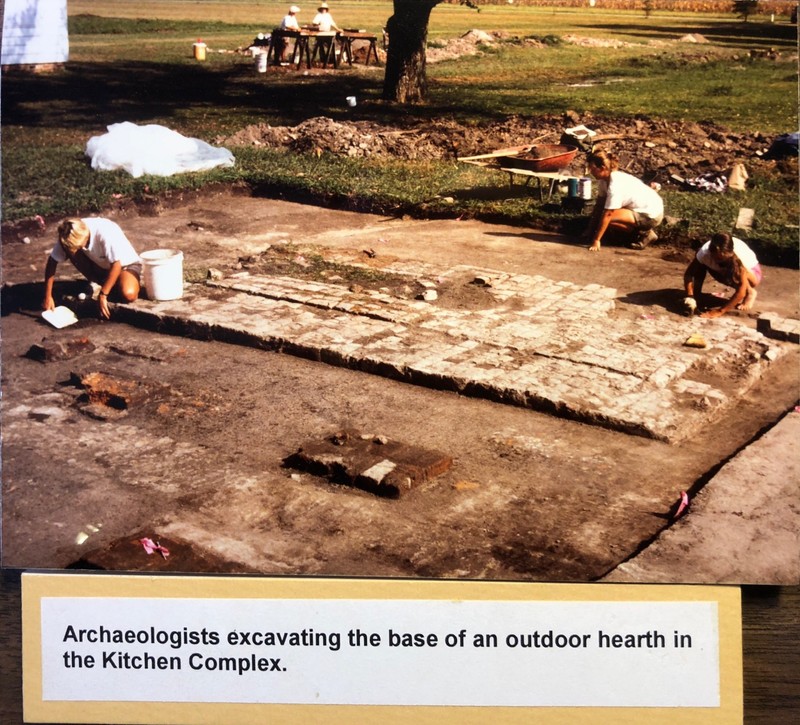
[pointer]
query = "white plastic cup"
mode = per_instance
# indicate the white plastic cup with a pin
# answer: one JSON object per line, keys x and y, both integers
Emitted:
{"x": 351, "y": 101}
{"x": 261, "y": 62}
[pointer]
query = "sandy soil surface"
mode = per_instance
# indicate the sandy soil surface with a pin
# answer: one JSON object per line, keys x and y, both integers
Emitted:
{"x": 200, "y": 458}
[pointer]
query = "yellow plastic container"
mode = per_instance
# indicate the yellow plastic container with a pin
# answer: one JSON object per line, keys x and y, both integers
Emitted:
{"x": 199, "y": 50}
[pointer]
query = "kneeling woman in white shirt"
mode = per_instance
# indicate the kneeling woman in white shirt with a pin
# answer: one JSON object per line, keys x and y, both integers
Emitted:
{"x": 624, "y": 204}
{"x": 729, "y": 261}
{"x": 100, "y": 251}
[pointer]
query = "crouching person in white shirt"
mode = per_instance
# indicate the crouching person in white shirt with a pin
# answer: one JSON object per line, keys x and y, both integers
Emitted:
{"x": 100, "y": 251}
{"x": 625, "y": 204}
{"x": 729, "y": 261}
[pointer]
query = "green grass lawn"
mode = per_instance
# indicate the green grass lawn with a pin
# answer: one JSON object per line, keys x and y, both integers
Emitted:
{"x": 133, "y": 62}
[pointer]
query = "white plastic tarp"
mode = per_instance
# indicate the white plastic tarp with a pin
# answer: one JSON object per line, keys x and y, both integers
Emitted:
{"x": 153, "y": 149}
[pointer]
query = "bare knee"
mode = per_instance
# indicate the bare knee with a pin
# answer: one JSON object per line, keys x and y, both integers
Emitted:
{"x": 128, "y": 290}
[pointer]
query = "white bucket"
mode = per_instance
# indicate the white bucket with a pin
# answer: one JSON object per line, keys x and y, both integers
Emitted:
{"x": 585, "y": 187}
{"x": 162, "y": 273}
{"x": 261, "y": 61}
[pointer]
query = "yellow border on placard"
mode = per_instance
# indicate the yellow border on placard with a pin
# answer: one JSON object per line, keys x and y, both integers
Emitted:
{"x": 36, "y": 586}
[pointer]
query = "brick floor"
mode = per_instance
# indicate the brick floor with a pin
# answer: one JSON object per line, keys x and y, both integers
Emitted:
{"x": 546, "y": 344}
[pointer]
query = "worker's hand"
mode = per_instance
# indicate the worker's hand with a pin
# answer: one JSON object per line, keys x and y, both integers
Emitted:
{"x": 48, "y": 303}
{"x": 594, "y": 247}
{"x": 717, "y": 312}
{"x": 102, "y": 306}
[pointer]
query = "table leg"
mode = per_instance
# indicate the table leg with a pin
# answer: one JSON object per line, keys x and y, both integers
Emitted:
{"x": 279, "y": 45}
{"x": 346, "y": 50}
{"x": 328, "y": 53}
{"x": 372, "y": 50}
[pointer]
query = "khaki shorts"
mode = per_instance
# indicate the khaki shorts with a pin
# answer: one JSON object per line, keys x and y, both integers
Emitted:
{"x": 645, "y": 222}
{"x": 135, "y": 268}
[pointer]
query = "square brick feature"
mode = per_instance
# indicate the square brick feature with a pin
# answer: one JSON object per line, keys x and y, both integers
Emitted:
{"x": 370, "y": 462}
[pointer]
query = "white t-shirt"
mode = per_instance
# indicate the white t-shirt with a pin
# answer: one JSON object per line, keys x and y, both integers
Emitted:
{"x": 623, "y": 191}
{"x": 107, "y": 244}
{"x": 746, "y": 256}
{"x": 290, "y": 23}
{"x": 325, "y": 22}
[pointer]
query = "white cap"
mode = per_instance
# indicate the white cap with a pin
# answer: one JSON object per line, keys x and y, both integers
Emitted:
{"x": 294, "y": 9}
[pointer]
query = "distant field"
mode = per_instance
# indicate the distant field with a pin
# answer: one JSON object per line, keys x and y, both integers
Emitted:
{"x": 447, "y": 20}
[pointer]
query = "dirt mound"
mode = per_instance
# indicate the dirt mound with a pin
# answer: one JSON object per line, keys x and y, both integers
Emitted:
{"x": 644, "y": 146}
{"x": 584, "y": 42}
{"x": 355, "y": 139}
{"x": 472, "y": 42}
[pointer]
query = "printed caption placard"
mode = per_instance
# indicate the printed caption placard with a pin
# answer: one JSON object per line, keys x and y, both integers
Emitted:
{"x": 425, "y": 648}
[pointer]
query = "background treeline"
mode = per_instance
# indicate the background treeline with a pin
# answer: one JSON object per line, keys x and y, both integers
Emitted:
{"x": 764, "y": 7}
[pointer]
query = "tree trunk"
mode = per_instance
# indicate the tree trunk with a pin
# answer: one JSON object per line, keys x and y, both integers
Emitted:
{"x": 405, "y": 80}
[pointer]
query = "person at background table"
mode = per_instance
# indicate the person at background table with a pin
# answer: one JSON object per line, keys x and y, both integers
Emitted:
{"x": 100, "y": 251}
{"x": 624, "y": 204}
{"x": 324, "y": 20}
{"x": 731, "y": 262}
{"x": 289, "y": 22}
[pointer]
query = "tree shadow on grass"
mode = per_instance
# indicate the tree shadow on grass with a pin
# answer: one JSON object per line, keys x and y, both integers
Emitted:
{"x": 205, "y": 99}
{"x": 80, "y": 94}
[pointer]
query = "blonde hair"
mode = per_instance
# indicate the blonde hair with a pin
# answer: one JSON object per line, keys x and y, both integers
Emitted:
{"x": 603, "y": 160}
{"x": 73, "y": 234}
